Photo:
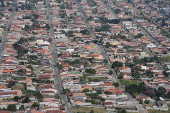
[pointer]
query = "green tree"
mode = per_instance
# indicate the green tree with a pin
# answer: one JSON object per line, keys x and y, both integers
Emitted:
{"x": 27, "y": 28}
{"x": 135, "y": 88}
{"x": 104, "y": 27}
{"x": 21, "y": 71}
{"x": 121, "y": 111}
{"x": 105, "y": 61}
{"x": 70, "y": 34}
{"x": 139, "y": 35}
{"x": 117, "y": 64}
{"x": 120, "y": 76}
{"x": 116, "y": 84}
{"x": 168, "y": 95}
{"x": 11, "y": 83}
{"x": 35, "y": 105}
{"x": 66, "y": 91}
{"x": 92, "y": 111}
{"x": 16, "y": 98}
{"x": 110, "y": 72}
{"x": 85, "y": 32}
{"x": 146, "y": 101}
{"x": 161, "y": 91}
{"x": 12, "y": 107}
{"x": 90, "y": 71}
{"x": 149, "y": 73}
{"x": 38, "y": 95}
{"x": 117, "y": 11}
{"x": 26, "y": 100}
{"x": 85, "y": 90}
{"x": 108, "y": 45}
{"x": 22, "y": 107}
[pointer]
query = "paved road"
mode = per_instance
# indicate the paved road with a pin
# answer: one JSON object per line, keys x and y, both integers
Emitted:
{"x": 92, "y": 33}
{"x": 58, "y": 81}
{"x": 148, "y": 34}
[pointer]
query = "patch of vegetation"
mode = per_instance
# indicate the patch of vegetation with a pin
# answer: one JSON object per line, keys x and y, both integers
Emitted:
{"x": 117, "y": 64}
{"x": 165, "y": 33}
{"x": 88, "y": 110}
{"x": 104, "y": 27}
{"x": 90, "y": 71}
{"x": 133, "y": 87}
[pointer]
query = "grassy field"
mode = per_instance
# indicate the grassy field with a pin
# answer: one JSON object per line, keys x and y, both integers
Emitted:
{"x": 88, "y": 109}
{"x": 129, "y": 82}
{"x": 156, "y": 111}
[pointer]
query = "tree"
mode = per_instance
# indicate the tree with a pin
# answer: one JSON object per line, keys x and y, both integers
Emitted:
{"x": 12, "y": 107}
{"x": 121, "y": 111}
{"x": 26, "y": 100}
{"x": 62, "y": 6}
{"x": 16, "y": 98}
{"x": 136, "y": 72}
{"x": 117, "y": 11}
{"x": 135, "y": 88}
{"x": 11, "y": 83}
{"x": 85, "y": 32}
{"x": 90, "y": 71}
{"x": 149, "y": 73}
{"x": 139, "y": 35}
{"x": 39, "y": 96}
{"x": 70, "y": 34}
{"x": 22, "y": 107}
{"x": 35, "y": 105}
{"x": 85, "y": 90}
{"x": 66, "y": 91}
{"x": 76, "y": 61}
{"x": 27, "y": 28}
{"x": 116, "y": 84}
{"x": 120, "y": 76}
{"x": 160, "y": 92}
{"x": 168, "y": 95}
{"x": 110, "y": 72}
{"x": 107, "y": 93}
{"x": 108, "y": 45}
{"x": 166, "y": 73}
{"x": 146, "y": 101}
{"x": 92, "y": 95}
{"x": 104, "y": 27}
{"x": 117, "y": 64}
{"x": 47, "y": 26}
{"x": 91, "y": 111}
{"x": 35, "y": 16}
{"x": 21, "y": 71}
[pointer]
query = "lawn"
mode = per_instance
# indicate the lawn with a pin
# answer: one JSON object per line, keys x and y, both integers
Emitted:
{"x": 156, "y": 111}
{"x": 129, "y": 82}
{"x": 88, "y": 109}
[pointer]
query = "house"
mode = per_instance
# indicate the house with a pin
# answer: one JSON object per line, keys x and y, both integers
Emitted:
{"x": 151, "y": 45}
{"x": 80, "y": 103}
{"x": 114, "y": 91}
{"x": 79, "y": 96}
{"x": 49, "y": 92}
{"x": 125, "y": 69}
